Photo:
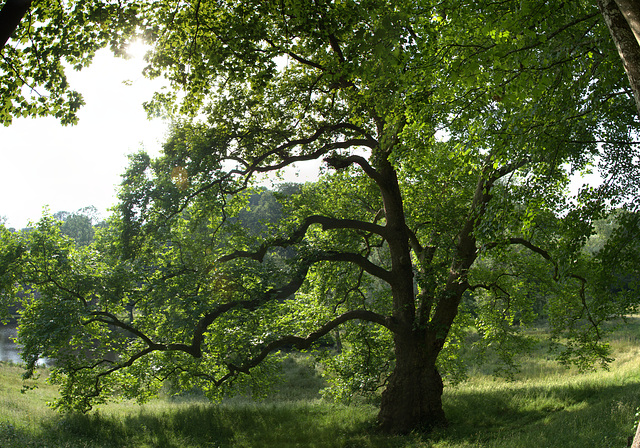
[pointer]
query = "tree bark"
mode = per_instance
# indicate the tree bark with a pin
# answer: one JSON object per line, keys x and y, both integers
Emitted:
{"x": 636, "y": 440}
{"x": 413, "y": 397}
{"x": 623, "y": 20}
{"x": 630, "y": 9}
{"x": 10, "y": 16}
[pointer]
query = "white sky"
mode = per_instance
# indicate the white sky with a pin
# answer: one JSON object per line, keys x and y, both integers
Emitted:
{"x": 45, "y": 164}
{"x": 66, "y": 168}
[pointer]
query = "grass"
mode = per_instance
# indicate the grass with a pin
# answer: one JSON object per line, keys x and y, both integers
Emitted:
{"x": 547, "y": 406}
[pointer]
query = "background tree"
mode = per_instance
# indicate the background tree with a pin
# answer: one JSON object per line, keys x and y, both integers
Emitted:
{"x": 80, "y": 225}
{"x": 449, "y": 131}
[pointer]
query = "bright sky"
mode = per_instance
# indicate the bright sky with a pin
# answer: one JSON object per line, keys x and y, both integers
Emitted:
{"x": 44, "y": 164}
{"x": 67, "y": 168}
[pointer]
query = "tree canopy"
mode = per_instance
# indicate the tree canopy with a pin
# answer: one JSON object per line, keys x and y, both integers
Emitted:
{"x": 448, "y": 132}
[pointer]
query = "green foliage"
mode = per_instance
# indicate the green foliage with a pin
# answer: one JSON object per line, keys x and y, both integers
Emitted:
{"x": 10, "y": 250}
{"x": 361, "y": 366}
{"x": 79, "y": 225}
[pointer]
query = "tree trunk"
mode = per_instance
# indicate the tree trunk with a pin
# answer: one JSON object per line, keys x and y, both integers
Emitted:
{"x": 622, "y": 19}
{"x": 10, "y": 16}
{"x": 630, "y": 9}
{"x": 636, "y": 440}
{"x": 413, "y": 397}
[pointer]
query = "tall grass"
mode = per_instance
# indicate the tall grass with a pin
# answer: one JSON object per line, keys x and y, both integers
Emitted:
{"x": 547, "y": 406}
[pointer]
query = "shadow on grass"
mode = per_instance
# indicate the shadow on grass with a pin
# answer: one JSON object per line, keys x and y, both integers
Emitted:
{"x": 521, "y": 415}
{"x": 506, "y": 416}
{"x": 204, "y": 425}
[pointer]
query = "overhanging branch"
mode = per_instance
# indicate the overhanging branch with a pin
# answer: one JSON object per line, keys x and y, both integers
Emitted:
{"x": 296, "y": 237}
{"x": 303, "y": 343}
{"x": 556, "y": 277}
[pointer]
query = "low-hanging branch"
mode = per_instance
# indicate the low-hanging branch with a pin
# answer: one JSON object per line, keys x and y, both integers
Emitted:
{"x": 556, "y": 274}
{"x": 296, "y": 236}
{"x": 302, "y": 343}
{"x": 195, "y": 347}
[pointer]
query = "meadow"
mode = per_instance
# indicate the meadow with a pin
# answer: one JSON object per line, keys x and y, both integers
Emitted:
{"x": 546, "y": 406}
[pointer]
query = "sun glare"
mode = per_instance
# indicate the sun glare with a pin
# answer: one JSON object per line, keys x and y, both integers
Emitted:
{"x": 137, "y": 49}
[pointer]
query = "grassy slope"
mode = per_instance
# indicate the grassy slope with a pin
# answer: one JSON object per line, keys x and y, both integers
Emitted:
{"x": 547, "y": 406}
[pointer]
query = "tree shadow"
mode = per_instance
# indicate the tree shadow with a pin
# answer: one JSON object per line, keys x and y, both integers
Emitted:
{"x": 199, "y": 425}
{"x": 573, "y": 414}
{"x": 514, "y": 415}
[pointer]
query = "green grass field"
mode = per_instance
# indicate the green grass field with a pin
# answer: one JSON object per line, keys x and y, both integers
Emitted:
{"x": 547, "y": 406}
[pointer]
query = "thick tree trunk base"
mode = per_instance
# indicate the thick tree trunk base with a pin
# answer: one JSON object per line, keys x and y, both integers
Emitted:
{"x": 412, "y": 401}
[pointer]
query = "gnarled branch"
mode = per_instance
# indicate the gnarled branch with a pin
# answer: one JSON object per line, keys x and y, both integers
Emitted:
{"x": 296, "y": 237}
{"x": 255, "y": 165}
{"x": 302, "y": 343}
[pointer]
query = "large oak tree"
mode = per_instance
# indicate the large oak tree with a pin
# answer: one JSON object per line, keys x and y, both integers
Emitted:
{"x": 448, "y": 131}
